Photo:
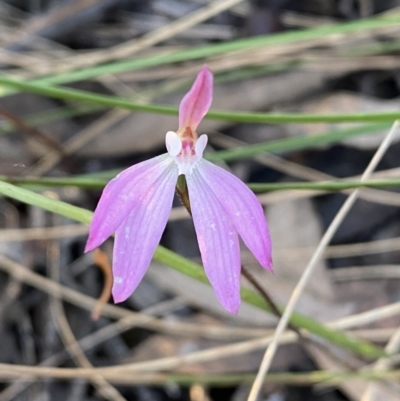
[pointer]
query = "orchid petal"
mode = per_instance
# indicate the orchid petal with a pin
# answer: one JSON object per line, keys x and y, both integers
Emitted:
{"x": 243, "y": 207}
{"x": 138, "y": 236}
{"x": 197, "y": 101}
{"x": 218, "y": 242}
{"x": 121, "y": 195}
{"x": 200, "y": 145}
{"x": 173, "y": 143}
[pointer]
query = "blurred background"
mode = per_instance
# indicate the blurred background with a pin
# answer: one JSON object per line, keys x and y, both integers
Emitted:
{"x": 303, "y": 56}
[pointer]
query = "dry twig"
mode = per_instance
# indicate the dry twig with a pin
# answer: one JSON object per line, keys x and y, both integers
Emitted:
{"x": 271, "y": 349}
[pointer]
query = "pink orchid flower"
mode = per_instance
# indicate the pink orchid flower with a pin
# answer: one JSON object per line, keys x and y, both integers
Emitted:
{"x": 137, "y": 202}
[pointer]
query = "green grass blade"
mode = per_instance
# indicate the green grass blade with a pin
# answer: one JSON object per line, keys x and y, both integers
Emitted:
{"x": 194, "y": 270}
{"x": 296, "y": 143}
{"x": 51, "y": 205}
{"x": 210, "y": 50}
{"x": 88, "y": 182}
{"x": 324, "y": 185}
{"x": 237, "y": 116}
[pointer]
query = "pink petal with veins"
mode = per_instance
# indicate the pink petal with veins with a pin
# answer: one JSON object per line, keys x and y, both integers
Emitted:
{"x": 138, "y": 236}
{"x": 243, "y": 208}
{"x": 218, "y": 242}
{"x": 197, "y": 101}
{"x": 121, "y": 195}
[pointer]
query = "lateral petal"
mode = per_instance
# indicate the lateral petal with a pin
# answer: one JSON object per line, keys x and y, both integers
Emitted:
{"x": 218, "y": 242}
{"x": 121, "y": 195}
{"x": 197, "y": 101}
{"x": 140, "y": 233}
{"x": 243, "y": 207}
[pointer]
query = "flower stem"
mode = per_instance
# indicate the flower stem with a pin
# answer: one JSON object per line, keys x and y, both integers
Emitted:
{"x": 268, "y": 299}
{"x": 183, "y": 193}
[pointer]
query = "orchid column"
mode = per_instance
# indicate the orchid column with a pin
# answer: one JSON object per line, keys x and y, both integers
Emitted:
{"x": 137, "y": 202}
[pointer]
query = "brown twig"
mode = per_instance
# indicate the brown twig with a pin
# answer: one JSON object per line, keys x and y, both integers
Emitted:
{"x": 102, "y": 261}
{"x": 106, "y": 390}
{"x": 31, "y": 131}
